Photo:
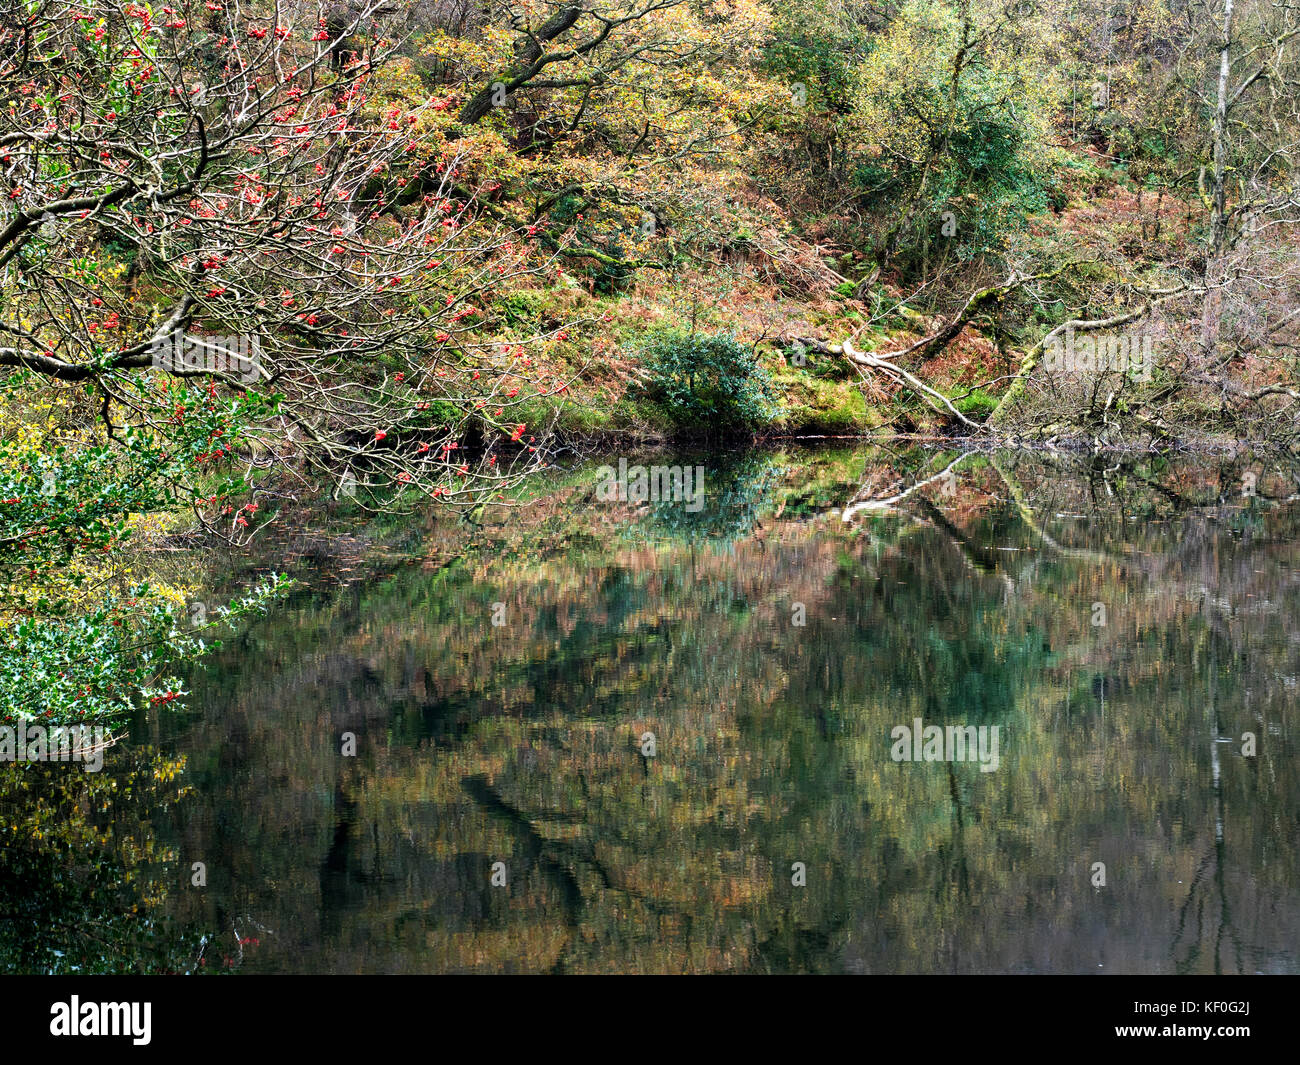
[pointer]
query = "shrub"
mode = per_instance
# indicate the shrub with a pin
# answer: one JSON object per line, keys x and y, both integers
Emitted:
{"x": 706, "y": 384}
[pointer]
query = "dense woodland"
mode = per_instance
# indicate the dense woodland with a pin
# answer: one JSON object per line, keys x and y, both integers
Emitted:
{"x": 405, "y": 254}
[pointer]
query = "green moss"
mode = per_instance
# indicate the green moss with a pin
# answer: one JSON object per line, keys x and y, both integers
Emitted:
{"x": 979, "y": 404}
{"x": 817, "y": 405}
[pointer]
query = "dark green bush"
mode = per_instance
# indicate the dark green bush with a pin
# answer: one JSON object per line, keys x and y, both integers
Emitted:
{"x": 706, "y": 385}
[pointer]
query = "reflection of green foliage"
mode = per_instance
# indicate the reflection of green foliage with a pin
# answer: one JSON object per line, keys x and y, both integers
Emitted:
{"x": 975, "y": 678}
{"x": 737, "y": 489}
{"x": 83, "y": 877}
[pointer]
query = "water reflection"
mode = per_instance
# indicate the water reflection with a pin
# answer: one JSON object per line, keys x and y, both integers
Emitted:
{"x": 520, "y": 743}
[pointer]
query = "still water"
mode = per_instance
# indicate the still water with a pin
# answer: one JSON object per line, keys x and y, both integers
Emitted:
{"x": 1127, "y": 623}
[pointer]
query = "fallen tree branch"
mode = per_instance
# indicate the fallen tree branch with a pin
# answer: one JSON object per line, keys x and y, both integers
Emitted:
{"x": 974, "y": 306}
{"x": 1079, "y": 325}
{"x": 896, "y": 373}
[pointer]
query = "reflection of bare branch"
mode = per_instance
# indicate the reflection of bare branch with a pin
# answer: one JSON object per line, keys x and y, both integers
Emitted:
{"x": 1027, "y": 516}
{"x": 936, "y": 520}
{"x": 856, "y": 505}
{"x": 974, "y": 558}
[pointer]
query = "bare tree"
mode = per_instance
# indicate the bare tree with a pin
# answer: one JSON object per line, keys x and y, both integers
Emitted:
{"x": 205, "y": 190}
